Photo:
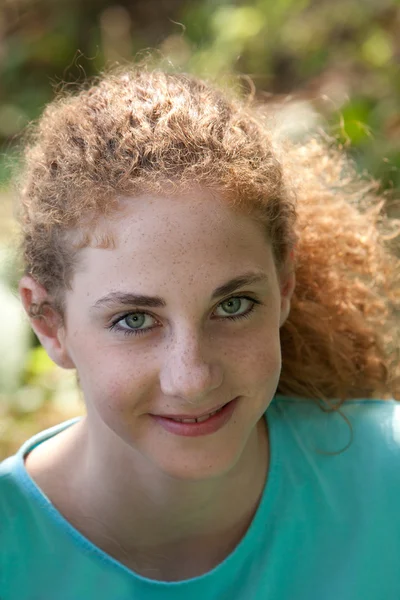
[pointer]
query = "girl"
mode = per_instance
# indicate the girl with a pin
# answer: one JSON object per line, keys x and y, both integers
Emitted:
{"x": 228, "y": 303}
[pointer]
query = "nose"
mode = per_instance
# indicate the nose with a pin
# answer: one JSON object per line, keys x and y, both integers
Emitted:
{"x": 189, "y": 372}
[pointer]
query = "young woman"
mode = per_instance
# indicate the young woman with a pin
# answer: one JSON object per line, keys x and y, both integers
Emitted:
{"x": 228, "y": 303}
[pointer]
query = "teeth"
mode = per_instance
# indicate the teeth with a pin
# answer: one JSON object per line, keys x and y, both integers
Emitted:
{"x": 199, "y": 419}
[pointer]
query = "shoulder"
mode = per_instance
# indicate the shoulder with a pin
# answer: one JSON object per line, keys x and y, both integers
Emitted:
{"x": 11, "y": 506}
{"x": 20, "y": 495}
{"x": 377, "y": 421}
{"x": 360, "y": 424}
{"x": 369, "y": 411}
{"x": 8, "y": 483}
{"x": 348, "y": 458}
{"x": 14, "y": 497}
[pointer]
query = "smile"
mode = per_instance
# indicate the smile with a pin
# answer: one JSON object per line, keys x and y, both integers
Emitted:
{"x": 198, "y": 419}
{"x": 198, "y": 426}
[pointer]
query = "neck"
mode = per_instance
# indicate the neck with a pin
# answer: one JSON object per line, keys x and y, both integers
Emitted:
{"x": 161, "y": 527}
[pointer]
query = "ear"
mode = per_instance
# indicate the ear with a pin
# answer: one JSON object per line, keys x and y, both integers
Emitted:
{"x": 287, "y": 284}
{"x": 49, "y": 326}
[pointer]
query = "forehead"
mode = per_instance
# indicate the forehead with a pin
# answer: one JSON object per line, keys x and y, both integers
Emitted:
{"x": 195, "y": 233}
{"x": 193, "y": 215}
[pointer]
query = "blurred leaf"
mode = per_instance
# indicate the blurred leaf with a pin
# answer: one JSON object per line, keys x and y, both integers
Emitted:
{"x": 12, "y": 119}
{"x": 377, "y": 49}
{"x": 237, "y": 24}
{"x": 355, "y": 121}
{"x": 197, "y": 22}
{"x": 38, "y": 362}
{"x": 54, "y": 47}
{"x": 28, "y": 399}
{"x": 14, "y": 341}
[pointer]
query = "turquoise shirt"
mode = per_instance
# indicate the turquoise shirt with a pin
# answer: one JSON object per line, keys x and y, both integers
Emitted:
{"x": 327, "y": 526}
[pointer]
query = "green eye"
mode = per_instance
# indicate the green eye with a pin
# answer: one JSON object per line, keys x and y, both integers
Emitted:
{"x": 135, "y": 320}
{"x": 237, "y": 307}
{"x": 232, "y": 305}
{"x": 133, "y": 323}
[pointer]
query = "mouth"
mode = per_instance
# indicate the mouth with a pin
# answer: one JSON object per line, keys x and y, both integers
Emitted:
{"x": 198, "y": 419}
{"x": 205, "y": 424}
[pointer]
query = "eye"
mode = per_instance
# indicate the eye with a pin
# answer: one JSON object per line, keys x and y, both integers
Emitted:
{"x": 134, "y": 323}
{"x": 238, "y": 307}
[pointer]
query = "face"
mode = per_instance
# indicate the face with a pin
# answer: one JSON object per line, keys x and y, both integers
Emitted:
{"x": 153, "y": 338}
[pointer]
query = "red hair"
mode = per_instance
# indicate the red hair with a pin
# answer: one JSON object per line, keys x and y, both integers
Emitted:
{"x": 136, "y": 131}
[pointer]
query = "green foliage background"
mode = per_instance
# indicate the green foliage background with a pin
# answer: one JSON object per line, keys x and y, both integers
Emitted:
{"x": 335, "y": 63}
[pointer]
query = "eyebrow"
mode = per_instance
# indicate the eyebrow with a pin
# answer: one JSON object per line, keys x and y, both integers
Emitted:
{"x": 128, "y": 299}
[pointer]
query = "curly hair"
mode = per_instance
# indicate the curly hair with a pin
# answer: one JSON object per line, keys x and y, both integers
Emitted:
{"x": 134, "y": 130}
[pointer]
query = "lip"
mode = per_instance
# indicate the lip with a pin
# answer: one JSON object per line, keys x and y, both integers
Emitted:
{"x": 211, "y": 425}
{"x": 203, "y": 414}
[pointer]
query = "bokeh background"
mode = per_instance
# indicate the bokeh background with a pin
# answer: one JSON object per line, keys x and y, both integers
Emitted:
{"x": 332, "y": 64}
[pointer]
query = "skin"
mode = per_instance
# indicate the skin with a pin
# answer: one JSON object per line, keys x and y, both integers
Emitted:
{"x": 169, "y": 507}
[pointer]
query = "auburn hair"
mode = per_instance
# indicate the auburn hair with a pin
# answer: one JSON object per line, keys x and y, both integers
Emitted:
{"x": 135, "y": 130}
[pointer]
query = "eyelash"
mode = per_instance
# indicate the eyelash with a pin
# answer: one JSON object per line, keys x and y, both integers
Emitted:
{"x": 114, "y": 326}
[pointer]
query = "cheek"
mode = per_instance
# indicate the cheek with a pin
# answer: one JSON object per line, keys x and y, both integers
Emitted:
{"x": 114, "y": 379}
{"x": 260, "y": 364}
{"x": 119, "y": 398}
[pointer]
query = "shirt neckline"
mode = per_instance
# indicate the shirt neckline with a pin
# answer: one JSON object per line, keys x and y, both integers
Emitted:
{"x": 227, "y": 566}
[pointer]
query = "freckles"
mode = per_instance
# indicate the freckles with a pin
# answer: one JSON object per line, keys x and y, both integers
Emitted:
{"x": 114, "y": 405}
{"x": 265, "y": 359}
{"x": 124, "y": 392}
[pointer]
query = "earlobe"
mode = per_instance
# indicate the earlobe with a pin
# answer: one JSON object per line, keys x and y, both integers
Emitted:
{"x": 48, "y": 325}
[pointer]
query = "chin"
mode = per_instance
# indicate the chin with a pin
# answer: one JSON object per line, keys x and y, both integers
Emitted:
{"x": 202, "y": 460}
{"x": 198, "y": 470}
